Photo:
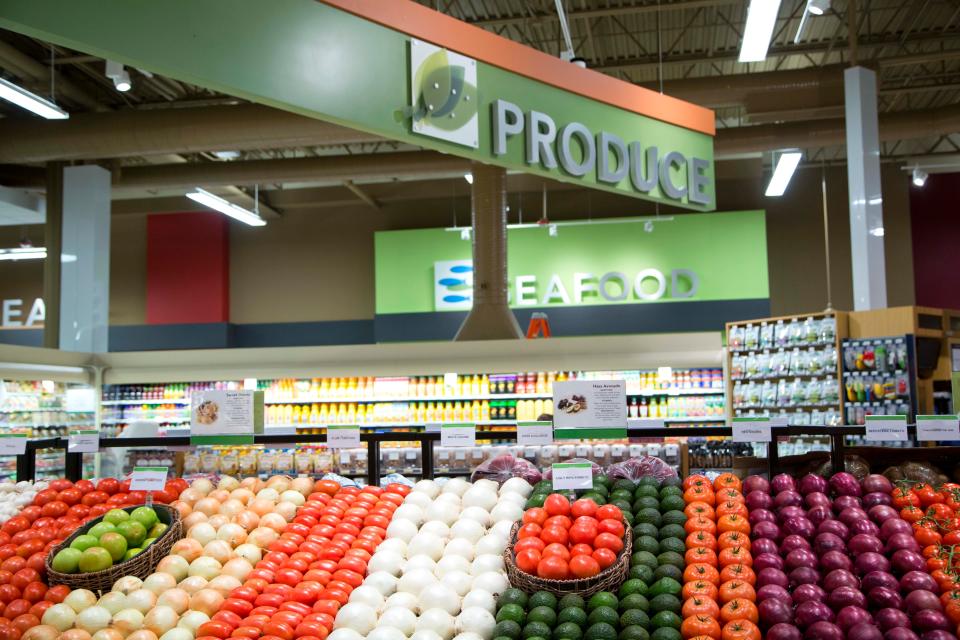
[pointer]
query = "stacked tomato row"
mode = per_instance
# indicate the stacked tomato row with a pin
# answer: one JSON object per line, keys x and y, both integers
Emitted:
{"x": 719, "y": 597}
{"x": 309, "y": 572}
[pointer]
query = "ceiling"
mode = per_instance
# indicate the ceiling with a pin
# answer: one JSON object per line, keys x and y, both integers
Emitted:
{"x": 689, "y": 47}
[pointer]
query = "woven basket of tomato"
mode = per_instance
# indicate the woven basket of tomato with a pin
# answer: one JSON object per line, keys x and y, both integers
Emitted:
{"x": 569, "y": 548}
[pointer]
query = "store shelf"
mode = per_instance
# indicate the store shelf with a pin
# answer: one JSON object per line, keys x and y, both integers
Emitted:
{"x": 873, "y": 372}
{"x": 772, "y": 349}
{"x": 786, "y": 407}
{"x": 183, "y": 401}
{"x": 498, "y": 396}
{"x": 129, "y": 420}
{"x": 785, "y": 376}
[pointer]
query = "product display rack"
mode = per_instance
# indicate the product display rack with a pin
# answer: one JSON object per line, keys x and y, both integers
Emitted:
{"x": 879, "y": 377}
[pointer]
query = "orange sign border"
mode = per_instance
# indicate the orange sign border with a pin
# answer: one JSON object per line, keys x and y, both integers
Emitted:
{"x": 426, "y": 24}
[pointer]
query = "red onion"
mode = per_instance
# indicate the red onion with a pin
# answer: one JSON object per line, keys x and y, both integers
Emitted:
{"x": 869, "y": 561}
{"x": 938, "y": 634}
{"x": 812, "y": 611}
{"x": 905, "y": 560}
{"x": 900, "y": 633}
{"x": 864, "y": 526}
{"x": 894, "y": 525}
{"x": 835, "y": 560}
{"x": 758, "y": 500}
{"x": 791, "y": 511}
{"x": 788, "y": 498}
{"x": 823, "y": 630}
{"x": 850, "y": 616}
{"x": 879, "y": 579}
{"x": 883, "y": 597}
{"x": 840, "y": 578}
{"x": 772, "y": 591}
{"x": 902, "y": 541}
{"x": 765, "y": 530}
{"x": 829, "y": 542}
{"x": 755, "y": 483}
{"x": 801, "y": 558}
{"x": 835, "y": 527}
{"x": 806, "y": 592}
{"x": 767, "y": 561}
{"x": 773, "y": 611}
{"x": 864, "y": 631}
{"x": 875, "y": 498}
{"x": 791, "y": 542}
{"x": 760, "y": 515}
{"x": 804, "y": 575}
{"x": 921, "y": 601}
{"x": 851, "y": 514}
{"x": 881, "y": 513}
{"x": 876, "y": 483}
{"x": 818, "y": 514}
{"x": 812, "y": 483}
{"x": 817, "y": 499}
{"x": 918, "y": 580}
{"x": 846, "y": 502}
{"x": 930, "y": 620}
{"x": 772, "y": 576}
{"x": 799, "y": 526}
{"x": 783, "y": 631}
{"x": 845, "y": 484}
{"x": 783, "y": 482}
{"x": 764, "y": 545}
{"x": 863, "y": 542}
{"x": 846, "y": 597}
{"x": 891, "y": 618}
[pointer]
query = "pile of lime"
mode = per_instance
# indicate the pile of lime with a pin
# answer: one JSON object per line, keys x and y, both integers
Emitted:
{"x": 118, "y": 536}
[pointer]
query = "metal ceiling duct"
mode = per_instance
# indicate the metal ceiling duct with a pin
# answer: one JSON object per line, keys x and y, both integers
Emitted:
{"x": 490, "y": 317}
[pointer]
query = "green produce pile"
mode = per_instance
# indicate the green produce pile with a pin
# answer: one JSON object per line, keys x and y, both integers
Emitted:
{"x": 118, "y": 537}
{"x": 646, "y": 606}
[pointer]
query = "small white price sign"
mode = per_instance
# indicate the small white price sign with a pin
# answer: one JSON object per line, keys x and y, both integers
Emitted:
{"x": 13, "y": 444}
{"x": 572, "y": 475}
{"x": 341, "y": 436}
{"x": 886, "y": 428}
{"x": 461, "y": 434}
{"x": 533, "y": 433}
{"x": 938, "y": 428}
{"x": 148, "y": 478}
{"x": 751, "y": 430}
{"x": 83, "y": 441}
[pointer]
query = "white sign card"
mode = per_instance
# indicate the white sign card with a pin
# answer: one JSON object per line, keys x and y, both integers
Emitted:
{"x": 343, "y": 436}
{"x": 81, "y": 400}
{"x": 751, "y": 430}
{"x": 83, "y": 441}
{"x": 572, "y": 475}
{"x": 590, "y": 404}
{"x": 222, "y": 413}
{"x": 148, "y": 478}
{"x": 461, "y": 434}
{"x": 886, "y": 428}
{"x": 432, "y": 427}
{"x": 938, "y": 428}
{"x": 533, "y": 433}
{"x": 13, "y": 444}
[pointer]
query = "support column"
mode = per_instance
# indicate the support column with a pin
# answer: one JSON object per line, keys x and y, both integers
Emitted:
{"x": 490, "y": 317}
{"x": 866, "y": 200}
{"x": 53, "y": 241}
{"x": 85, "y": 260}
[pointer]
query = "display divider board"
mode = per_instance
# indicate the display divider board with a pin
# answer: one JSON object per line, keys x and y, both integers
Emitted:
{"x": 938, "y": 428}
{"x": 886, "y": 428}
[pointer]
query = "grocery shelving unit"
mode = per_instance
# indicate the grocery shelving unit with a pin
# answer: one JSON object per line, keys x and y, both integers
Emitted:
{"x": 879, "y": 377}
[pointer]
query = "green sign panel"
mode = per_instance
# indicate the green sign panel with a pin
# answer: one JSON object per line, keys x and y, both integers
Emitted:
{"x": 310, "y": 58}
{"x": 704, "y": 257}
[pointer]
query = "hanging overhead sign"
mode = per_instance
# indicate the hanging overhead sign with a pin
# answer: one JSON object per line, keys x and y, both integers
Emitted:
{"x": 408, "y": 73}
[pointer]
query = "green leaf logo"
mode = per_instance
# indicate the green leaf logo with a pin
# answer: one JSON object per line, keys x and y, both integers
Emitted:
{"x": 444, "y": 100}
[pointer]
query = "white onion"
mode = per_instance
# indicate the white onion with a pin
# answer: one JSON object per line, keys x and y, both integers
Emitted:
{"x": 459, "y": 547}
{"x": 425, "y": 634}
{"x": 438, "y": 621}
{"x": 41, "y": 632}
{"x": 303, "y": 485}
{"x": 175, "y": 565}
{"x": 420, "y": 562}
{"x": 495, "y": 583}
{"x": 480, "y": 598}
{"x": 443, "y": 512}
{"x": 415, "y": 581}
{"x": 249, "y": 552}
{"x": 205, "y": 568}
{"x": 177, "y": 633}
{"x": 126, "y": 621}
{"x": 160, "y": 620}
{"x": 399, "y": 618}
{"x": 386, "y": 561}
{"x": 426, "y": 544}
{"x": 193, "y": 584}
{"x": 357, "y": 616}
{"x": 478, "y": 496}
{"x": 202, "y": 533}
{"x": 410, "y": 512}
{"x": 487, "y": 484}
{"x": 457, "y": 486}
{"x": 269, "y": 494}
{"x": 202, "y": 485}
{"x": 485, "y": 563}
{"x": 292, "y": 496}
{"x": 502, "y": 529}
{"x": 142, "y": 600}
{"x": 467, "y": 529}
{"x": 263, "y": 537}
{"x": 219, "y": 550}
{"x": 62, "y": 616}
{"x": 436, "y": 528}
{"x": 429, "y": 487}
{"x": 192, "y": 620}
{"x": 458, "y": 581}
{"x": 512, "y": 498}
{"x": 422, "y": 500}
{"x": 176, "y": 599}
{"x": 476, "y": 513}
{"x": 207, "y": 601}
{"x": 467, "y": 635}
{"x": 452, "y": 563}
{"x": 109, "y": 633}
{"x": 402, "y": 600}
{"x": 159, "y": 582}
{"x": 477, "y": 620}
{"x": 80, "y": 599}
{"x": 403, "y": 529}
{"x": 448, "y": 499}
{"x": 238, "y": 568}
{"x": 393, "y": 545}
{"x": 233, "y": 533}
{"x": 516, "y": 485}
{"x": 224, "y": 584}
{"x": 386, "y": 633}
{"x": 287, "y": 510}
{"x": 113, "y": 601}
{"x": 506, "y": 511}
{"x": 93, "y": 619}
{"x": 382, "y": 581}
{"x": 367, "y": 595}
{"x": 439, "y": 596}
{"x": 491, "y": 543}
{"x": 344, "y": 634}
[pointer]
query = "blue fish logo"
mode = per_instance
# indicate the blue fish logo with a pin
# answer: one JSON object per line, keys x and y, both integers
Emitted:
{"x": 453, "y": 285}
{"x": 455, "y": 299}
{"x": 462, "y": 269}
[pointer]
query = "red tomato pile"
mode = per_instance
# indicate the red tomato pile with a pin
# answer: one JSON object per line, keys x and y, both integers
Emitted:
{"x": 310, "y": 571}
{"x": 564, "y": 541}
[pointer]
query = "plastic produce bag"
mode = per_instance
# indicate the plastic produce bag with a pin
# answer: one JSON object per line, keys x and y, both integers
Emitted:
{"x": 855, "y": 465}
{"x": 595, "y": 469}
{"x": 503, "y": 467}
{"x": 635, "y": 468}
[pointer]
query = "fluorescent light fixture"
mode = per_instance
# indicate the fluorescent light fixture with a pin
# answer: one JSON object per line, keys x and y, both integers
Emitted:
{"x": 920, "y": 177}
{"x": 877, "y": 233}
{"x": 465, "y": 233}
{"x": 119, "y": 75}
{"x": 818, "y": 7}
{"x": 761, "y": 18}
{"x": 226, "y": 155}
{"x": 23, "y": 253}
{"x": 552, "y": 230}
{"x": 468, "y": 177}
{"x": 31, "y": 101}
{"x": 217, "y": 203}
{"x": 786, "y": 165}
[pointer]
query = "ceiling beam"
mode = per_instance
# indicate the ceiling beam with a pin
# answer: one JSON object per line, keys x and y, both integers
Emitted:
{"x": 588, "y": 14}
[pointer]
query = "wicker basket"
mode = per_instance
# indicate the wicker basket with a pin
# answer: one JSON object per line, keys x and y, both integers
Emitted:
{"x": 609, "y": 579}
{"x": 140, "y": 565}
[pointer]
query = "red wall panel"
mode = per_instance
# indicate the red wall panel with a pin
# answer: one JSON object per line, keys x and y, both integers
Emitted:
{"x": 188, "y": 268}
{"x": 935, "y": 227}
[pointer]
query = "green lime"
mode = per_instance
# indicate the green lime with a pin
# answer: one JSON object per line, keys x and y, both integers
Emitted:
{"x": 665, "y": 602}
{"x": 642, "y": 572}
{"x": 116, "y": 516}
{"x": 94, "y": 559}
{"x": 507, "y": 629}
{"x": 145, "y": 516}
{"x": 630, "y": 587}
{"x": 115, "y": 544}
{"x": 131, "y": 552}
{"x": 101, "y": 528}
{"x": 83, "y": 542}
{"x": 602, "y": 599}
{"x": 546, "y": 615}
{"x": 536, "y": 629}
{"x": 542, "y": 599}
{"x": 133, "y": 531}
{"x": 666, "y": 619}
{"x": 512, "y": 596}
{"x": 571, "y": 600}
{"x": 66, "y": 560}
{"x": 603, "y": 614}
{"x": 645, "y": 558}
{"x": 634, "y": 633}
{"x": 634, "y": 601}
{"x": 575, "y": 615}
{"x": 511, "y": 612}
{"x": 157, "y": 530}
{"x": 601, "y": 631}
{"x": 634, "y": 617}
{"x": 567, "y": 631}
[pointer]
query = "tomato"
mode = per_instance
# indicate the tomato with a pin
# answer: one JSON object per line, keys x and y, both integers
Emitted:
{"x": 269, "y": 600}
{"x": 609, "y": 512}
{"x": 535, "y": 515}
{"x": 700, "y": 606}
{"x": 25, "y": 621}
{"x": 612, "y": 526}
{"x": 733, "y": 539}
{"x": 554, "y": 534}
{"x": 556, "y": 505}
{"x": 700, "y": 554}
{"x": 700, "y": 626}
{"x": 280, "y": 629}
{"x": 215, "y": 628}
{"x": 16, "y": 608}
{"x": 529, "y": 543}
{"x": 57, "y": 593}
{"x": 581, "y": 550}
{"x": 727, "y": 481}
{"x": 583, "y": 533}
{"x": 924, "y": 533}
{"x": 527, "y": 560}
{"x": 700, "y": 524}
{"x": 13, "y": 564}
{"x": 252, "y": 633}
{"x": 70, "y": 496}
{"x": 550, "y": 567}
{"x": 24, "y": 577}
{"x": 700, "y": 494}
{"x": 229, "y": 617}
{"x": 740, "y": 630}
{"x": 584, "y": 566}
{"x": 310, "y": 629}
{"x": 695, "y": 509}
{"x": 604, "y": 557}
{"x": 237, "y": 605}
{"x": 556, "y": 549}
{"x": 531, "y": 530}
{"x": 736, "y": 589}
{"x": 740, "y": 572}
{"x": 8, "y": 593}
{"x": 245, "y": 593}
{"x": 735, "y": 555}
{"x": 39, "y": 608}
{"x": 901, "y": 498}
{"x": 700, "y": 588}
{"x": 31, "y": 513}
{"x": 55, "y": 509}
{"x": 583, "y": 507}
{"x": 290, "y": 577}
{"x": 739, "y": 609}
{"x": 352, "y": 578}
{"x": 732, "y": 508}
{"x": 701, "y": 571}
{"x": 608, "y": 541}
{"x": 558, "y": 521}
{"x": 329, "y": 607}
{"x": 733, "y": 522}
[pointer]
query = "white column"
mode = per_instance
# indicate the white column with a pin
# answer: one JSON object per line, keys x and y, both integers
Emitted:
{"x": 866, "y": 200}
{"x": 85, "y": 260}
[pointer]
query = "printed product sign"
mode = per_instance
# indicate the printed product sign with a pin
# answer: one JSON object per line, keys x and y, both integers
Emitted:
{"x": 886, "y": 428}
{"x": 222, "y": 417}
{"x": 83, "y": 441}
{"x": 534, "y": 433}
{"x": 572, "y": 475}
{"x": 751, "y": 430}
{"x": 148, "y": 478}
{"x": 590, "y": 404}
{"x": 461, "y": 434}
{"x": 13, "y": 444}
{"x": 938, "y": 428}
{"x": 340, "y": 436}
